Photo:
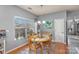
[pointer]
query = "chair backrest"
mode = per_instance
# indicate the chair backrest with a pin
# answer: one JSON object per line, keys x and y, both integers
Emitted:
{"x": 30, "y": 37}
{"x": 47, "y": 34}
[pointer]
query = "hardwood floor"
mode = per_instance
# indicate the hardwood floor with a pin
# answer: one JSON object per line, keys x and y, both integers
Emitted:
{"x": 60, "y": 48}
{"x": 57, "y": 48}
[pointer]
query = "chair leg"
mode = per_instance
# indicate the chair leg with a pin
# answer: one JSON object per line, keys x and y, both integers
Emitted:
{"x": 41, "y": 50}
{"x": 35, "y": 50}
{"x": 49, "y": 47}
{"x": 29, "y": 49}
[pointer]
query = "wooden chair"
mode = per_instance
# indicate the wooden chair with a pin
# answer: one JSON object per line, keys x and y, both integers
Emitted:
{"x": 33, "y": 45}
{"x": 47, "y": 44}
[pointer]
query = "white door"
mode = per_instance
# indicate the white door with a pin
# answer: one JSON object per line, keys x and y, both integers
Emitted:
{"x": 59, "y": 30}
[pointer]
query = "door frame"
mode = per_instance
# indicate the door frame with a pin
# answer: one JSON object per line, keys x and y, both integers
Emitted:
{"x": 65, "y": 30}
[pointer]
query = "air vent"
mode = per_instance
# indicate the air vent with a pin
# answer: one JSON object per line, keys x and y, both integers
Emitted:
{"x": 29, "y": 8}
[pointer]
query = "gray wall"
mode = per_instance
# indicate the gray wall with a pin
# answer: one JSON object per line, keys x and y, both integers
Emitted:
{"x": 52, "y": 16}
{"x": 7, "y": 22}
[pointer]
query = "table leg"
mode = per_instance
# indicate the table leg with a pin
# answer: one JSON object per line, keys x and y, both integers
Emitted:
{"x": 41, "y": 48}
{"x": 35, "y": 50}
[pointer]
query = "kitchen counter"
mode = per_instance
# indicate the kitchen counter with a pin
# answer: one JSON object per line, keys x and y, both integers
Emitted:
{"x": 73, "y": 43}
{"x": 73, "y": 36}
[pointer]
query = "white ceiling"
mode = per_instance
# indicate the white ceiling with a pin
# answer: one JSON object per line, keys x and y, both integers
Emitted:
{"x": 45, "y": 9}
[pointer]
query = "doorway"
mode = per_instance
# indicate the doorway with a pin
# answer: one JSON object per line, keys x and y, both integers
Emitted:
{"x": 59, "y": 30}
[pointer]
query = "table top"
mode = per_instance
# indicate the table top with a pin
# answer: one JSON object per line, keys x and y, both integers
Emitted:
{"x": 43, "y": 38}
{"x": 39, "y": 39}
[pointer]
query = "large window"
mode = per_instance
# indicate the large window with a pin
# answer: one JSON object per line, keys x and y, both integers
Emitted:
{"x": 23, "y": 26}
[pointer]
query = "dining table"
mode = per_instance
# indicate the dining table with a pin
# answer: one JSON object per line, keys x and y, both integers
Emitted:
{"x": 41, "y": 40}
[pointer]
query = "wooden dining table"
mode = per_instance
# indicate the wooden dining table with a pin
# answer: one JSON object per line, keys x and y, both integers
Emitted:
{"x": 41, "y": 40}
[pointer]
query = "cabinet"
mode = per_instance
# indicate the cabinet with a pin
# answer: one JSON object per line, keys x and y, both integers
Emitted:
{"x": 2, "y": 40}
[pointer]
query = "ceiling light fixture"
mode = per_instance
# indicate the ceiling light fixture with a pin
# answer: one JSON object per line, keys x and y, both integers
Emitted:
{"x": 43, "y": 22}
{"x": 39, "y": 22}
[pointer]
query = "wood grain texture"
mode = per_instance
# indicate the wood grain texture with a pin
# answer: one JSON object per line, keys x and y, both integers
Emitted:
{"x": 57, "y": 48}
